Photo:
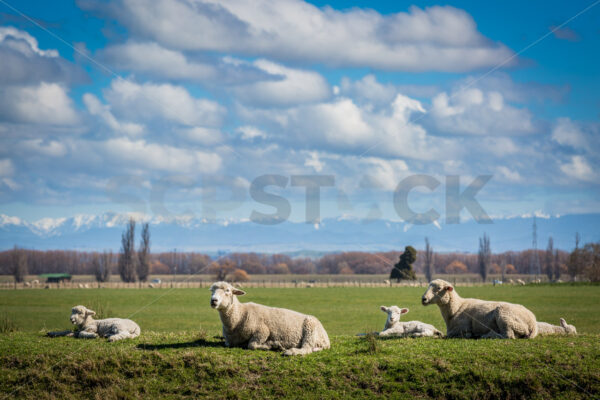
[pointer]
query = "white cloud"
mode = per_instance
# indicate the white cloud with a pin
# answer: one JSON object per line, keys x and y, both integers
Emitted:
{"x": 383, "y": 174}
{"x": 6, "y": 167}
{"x": 150, "y": 101}
{"x": 345, "y": 127}
{"x": 368, "y": 90}
{"x": 250, "y": 132}
{"x": 153, "y": 156}
{"x": 579, "y": 169}
{"x": 314, "y": 161}
{"x": 475, "y": 112}
{"x": 435, "y": 38}
{"x": 508, "y": 175}
{"x": 154, "y": 59}
{"x": 292, "y": 86}
{"x": 46, "y": 103}
{"x": 8, "y": 32}
{"x": 50, "y": 148}
{"x": 568, "y": 133}
{"x": 201, "y": 135}
{"x": 7, "y": 170}
{"x": 23, "y": 62}
{"x": 95, "y": 107}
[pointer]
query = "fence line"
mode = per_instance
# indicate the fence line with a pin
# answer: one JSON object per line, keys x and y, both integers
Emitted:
{"x": 206, "y": 284}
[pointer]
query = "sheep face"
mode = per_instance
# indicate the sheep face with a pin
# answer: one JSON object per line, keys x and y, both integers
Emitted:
{"x": 394, "y": 314}
{"x": 438, "y": 292}
{"x": 569, "y": 329}
{"x": 223, "y": 294}
{"x": 79, "y": 314}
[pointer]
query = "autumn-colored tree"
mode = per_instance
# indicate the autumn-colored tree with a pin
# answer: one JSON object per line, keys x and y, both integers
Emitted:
{"x": 221, "y": 269}
{"x": 280, "y": 269}
{"x": 495, "y": 269}
{"x": 303, "y": 266}
{"x": 510, "y": 269}
{"x": 158, "y": 268}
{"x": 456, "y": 267}
{"x": 239, "y": 275}
{"x": 344, "y": 269}
{"x": 591, "y": 261}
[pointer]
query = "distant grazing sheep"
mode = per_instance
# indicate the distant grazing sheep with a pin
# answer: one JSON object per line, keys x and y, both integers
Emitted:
{"x": 474, "y": 318}
{"x": 112, "y": 328}
{"x": 395, "y": 328}
{"x": 545, "y": 329}
{"x": 520, "y": 282}
{"x": 256, "y": 326}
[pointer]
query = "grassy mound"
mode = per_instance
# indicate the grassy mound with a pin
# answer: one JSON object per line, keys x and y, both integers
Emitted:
{"x": 177, "y": 365}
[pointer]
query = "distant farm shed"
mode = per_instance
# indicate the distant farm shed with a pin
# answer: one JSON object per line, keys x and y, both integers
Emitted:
{"x": 55, "y": 278}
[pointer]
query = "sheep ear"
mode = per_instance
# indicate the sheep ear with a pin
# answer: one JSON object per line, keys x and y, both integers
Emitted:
{"x": 384, "y": 308}
{"x": 404, "y": 311}
{"x": 449, "y": 288}
{"x": 238, "y": 292}
{"x": 563, "y": 323}
{"x": 90, "y": 312}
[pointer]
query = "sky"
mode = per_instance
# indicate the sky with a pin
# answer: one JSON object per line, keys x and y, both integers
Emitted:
{"x": 177, "y": 108}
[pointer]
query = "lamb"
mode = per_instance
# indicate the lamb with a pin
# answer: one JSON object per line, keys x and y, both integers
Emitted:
{"x": 112, "y": 328}
{"x": 256, "y": 326}
{"x": 545, "y": 328}
{"x": 474, "y": 318}
{"x": 395, "y": 328}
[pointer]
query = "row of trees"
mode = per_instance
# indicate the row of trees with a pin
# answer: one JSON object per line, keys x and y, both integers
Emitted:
{"x": 134, "y": 265}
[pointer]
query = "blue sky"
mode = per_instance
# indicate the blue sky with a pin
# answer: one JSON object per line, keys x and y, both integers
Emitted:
{"x": 175, "y": 107}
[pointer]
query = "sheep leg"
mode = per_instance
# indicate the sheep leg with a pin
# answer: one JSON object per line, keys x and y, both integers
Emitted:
{"x": 61, "y": 333}
{"x": 259, "y": 341}
{"x": 494, "y": 335}
{"x": 87, "y": 335}
{"x": 387, "y": 333}
{"x": 309, "y": 341}
{"x": 120, "y": 336}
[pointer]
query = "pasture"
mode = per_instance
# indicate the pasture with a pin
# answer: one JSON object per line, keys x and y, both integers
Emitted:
{"x": 180, "y": 353}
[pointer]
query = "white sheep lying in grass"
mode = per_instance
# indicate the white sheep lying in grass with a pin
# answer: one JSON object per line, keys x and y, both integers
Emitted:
{"x": 112, "y": 328}
{"x": 474, "y": 318}
{"x": 256, "y": 326}
{"x": 545, "y": 328}
{"x": 395, "y": 328}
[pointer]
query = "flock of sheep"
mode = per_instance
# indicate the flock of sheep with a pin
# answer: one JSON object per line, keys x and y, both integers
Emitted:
{"x": 255, "y": 326}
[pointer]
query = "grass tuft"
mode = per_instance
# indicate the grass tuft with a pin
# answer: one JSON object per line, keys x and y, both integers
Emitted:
{"x": 7, "y": 324}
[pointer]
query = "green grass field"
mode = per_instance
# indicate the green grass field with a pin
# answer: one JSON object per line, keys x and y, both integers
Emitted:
{"x": 178, "y": 355}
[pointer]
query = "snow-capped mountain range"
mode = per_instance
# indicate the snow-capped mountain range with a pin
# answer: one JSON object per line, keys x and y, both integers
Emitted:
{"x": 184, "y": 233}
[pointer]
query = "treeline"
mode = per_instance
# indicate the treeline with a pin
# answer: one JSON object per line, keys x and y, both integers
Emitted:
{"x": 174, "y": 262}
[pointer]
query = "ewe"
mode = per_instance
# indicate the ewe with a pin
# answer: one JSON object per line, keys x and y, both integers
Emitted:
{"x": 474, "y": 318}
{"x": 545, "y": 328}
{"x": 267, "y": 328}
{"x": 89, "y": 328}
{"x": 395, "y": 328}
